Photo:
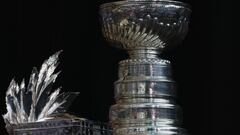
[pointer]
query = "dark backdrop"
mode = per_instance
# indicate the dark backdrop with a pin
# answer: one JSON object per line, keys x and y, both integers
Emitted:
{"x": 202, "y": 65}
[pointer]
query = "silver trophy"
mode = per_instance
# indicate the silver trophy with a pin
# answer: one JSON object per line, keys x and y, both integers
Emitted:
{"x": 145, "y": 92}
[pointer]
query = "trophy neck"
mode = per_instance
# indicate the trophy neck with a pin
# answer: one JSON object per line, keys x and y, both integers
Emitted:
{"x": 143, "y": 53}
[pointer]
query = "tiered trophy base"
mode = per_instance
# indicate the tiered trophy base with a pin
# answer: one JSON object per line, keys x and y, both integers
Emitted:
{"x": 145, "y": 99}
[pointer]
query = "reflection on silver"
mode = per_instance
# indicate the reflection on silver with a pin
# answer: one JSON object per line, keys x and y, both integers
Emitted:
{"x": 37, "y": 101}
{"x": 145, "y": 92}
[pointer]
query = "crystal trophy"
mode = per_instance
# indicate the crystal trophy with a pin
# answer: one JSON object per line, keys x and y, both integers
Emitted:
{"x": 145, "y": 92}
{"x": 36, "y": 109}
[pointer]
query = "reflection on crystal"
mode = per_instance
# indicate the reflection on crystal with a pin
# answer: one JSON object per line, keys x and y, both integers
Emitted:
{"x": 37, "y": 101}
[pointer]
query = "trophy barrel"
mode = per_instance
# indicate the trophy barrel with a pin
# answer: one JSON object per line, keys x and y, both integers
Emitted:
{"x": 145, "y": 94}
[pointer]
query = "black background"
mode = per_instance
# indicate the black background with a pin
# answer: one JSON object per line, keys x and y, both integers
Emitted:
{"x": 202, "y": 65}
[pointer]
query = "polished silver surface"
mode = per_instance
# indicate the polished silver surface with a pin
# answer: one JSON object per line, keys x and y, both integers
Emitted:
{"x": 145, "y": 91}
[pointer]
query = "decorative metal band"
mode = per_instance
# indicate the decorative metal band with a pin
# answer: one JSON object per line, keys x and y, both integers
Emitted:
{"x": 145, "y": 61}
{"x": 147, "y": 89}
{"x": 148, "y": 70}
{"x": 146, "y": 113}
{"x": 150, "y": 130}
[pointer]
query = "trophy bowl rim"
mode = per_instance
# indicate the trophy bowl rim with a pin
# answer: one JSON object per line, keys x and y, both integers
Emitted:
{"x": 122, "y": 2}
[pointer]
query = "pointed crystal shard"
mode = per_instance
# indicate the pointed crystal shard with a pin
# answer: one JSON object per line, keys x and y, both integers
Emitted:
{"x": 37, "y": 101}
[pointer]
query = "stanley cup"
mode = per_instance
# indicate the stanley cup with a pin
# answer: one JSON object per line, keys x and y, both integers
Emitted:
{"x": 145, "y": 92}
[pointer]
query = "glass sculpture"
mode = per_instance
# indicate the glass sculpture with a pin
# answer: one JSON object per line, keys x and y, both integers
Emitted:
{"x": 38, "y": 110}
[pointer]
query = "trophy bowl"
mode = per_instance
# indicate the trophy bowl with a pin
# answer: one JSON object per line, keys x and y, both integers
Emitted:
{"x": 145, "y": 25}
